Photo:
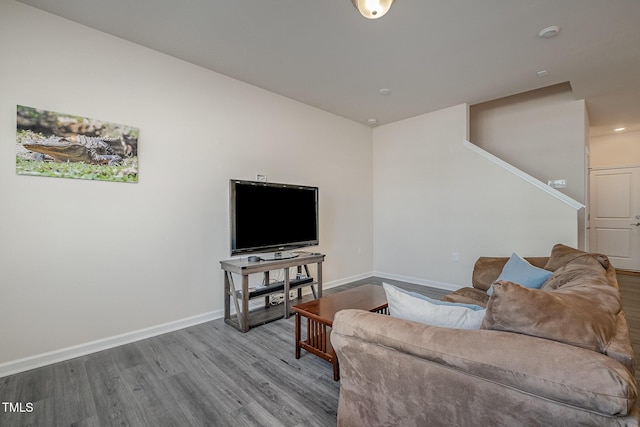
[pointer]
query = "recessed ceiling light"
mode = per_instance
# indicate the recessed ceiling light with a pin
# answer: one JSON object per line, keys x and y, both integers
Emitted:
{"x": 384, "y": 91}
{"x": 619, "y": 129}
{"x": 549, "y": 32}
{"x": 542, "y": 73}
{"x": 372, "y": 121}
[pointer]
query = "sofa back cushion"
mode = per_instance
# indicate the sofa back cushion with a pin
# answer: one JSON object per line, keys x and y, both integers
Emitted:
{"x": 487, "y": 269}
{"x": 575, "y": 274}
{"x": 582, "y": 316}
{"x": 562, "y": 255}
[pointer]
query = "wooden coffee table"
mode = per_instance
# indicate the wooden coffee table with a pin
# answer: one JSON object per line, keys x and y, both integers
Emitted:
{"x": 320, "y": 312}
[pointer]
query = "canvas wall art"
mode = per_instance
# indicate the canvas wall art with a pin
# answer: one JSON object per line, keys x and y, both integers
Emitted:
{"x": 61, "y": 145}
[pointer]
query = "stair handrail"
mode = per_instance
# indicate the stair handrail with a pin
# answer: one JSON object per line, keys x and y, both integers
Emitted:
{"x": 523, "y": 175}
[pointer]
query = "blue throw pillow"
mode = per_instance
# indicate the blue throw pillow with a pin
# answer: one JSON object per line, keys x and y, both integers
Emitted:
{"x": 518, "y": 270}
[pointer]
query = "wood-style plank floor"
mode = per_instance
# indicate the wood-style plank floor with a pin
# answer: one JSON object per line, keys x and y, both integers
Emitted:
{"x": 630, "y": 295}
{"x": 205, "y": 375}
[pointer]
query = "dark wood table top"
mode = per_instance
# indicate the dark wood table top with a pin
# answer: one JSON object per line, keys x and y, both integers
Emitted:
{"x": 365, "y": 297}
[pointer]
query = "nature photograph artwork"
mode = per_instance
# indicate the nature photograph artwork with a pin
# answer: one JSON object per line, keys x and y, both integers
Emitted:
{"x": 67, "y": 146}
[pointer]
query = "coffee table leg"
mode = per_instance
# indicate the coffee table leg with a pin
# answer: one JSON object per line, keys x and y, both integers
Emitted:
{"x": 297, "y": 336}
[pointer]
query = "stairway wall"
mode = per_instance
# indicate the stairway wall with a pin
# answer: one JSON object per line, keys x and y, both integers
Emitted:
{"x": 541, "y": 132}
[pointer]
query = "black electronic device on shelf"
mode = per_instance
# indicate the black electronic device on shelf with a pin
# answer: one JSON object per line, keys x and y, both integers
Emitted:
{"x": 272, "y": 218}
{"x": 278, "y": 287}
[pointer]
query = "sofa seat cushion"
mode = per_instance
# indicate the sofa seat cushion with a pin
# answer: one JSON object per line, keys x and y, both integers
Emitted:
{"x": 468, "y": 296}
{"x": 565, "y": 374}
{"x": 582, "y": 316}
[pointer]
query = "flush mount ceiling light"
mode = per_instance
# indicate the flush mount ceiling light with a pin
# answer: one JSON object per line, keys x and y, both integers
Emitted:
{"x": 372, "y": 9}
{"x": 619, "y": 129}
{"x": 549, "y": 32}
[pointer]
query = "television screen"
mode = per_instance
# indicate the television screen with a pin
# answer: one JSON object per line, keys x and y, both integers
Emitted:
{"x": 270, "y": 217}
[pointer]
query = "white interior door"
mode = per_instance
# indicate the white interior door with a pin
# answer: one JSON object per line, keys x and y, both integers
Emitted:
{"x": 615, "y": 215}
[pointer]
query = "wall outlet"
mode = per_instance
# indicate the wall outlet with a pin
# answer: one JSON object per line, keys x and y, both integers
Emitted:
{"x": 276, "y": 299}
{"x": 455, "y": 256}
{"x": 261, "y": 178}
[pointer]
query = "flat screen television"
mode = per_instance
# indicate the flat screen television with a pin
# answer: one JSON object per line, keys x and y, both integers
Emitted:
{"x": 272, "y": 219}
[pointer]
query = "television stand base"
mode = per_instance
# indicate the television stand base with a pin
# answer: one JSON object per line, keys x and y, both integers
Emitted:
{"x": 239, "y": 297}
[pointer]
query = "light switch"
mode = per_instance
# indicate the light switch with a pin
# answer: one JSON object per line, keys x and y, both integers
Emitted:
{"x": 557, "y": 183}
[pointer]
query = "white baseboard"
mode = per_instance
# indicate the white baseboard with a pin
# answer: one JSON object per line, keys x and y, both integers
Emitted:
{"x": 414, "y": 280}
{"x": 344, "y": 281}
{"x": 55, "y": 356}
{"x": 60, "y": 355}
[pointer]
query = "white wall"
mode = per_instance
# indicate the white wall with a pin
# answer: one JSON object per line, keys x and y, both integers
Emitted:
{"x": 85, "y": 260}
{"x": 620, "y": 149}
{"x": 541, "y": 132}
{"x": 433, "y": 197}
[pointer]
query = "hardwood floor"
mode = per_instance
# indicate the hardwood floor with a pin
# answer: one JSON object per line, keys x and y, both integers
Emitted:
{"x": 206, "y": 375}
{"x": 630, "y": 295}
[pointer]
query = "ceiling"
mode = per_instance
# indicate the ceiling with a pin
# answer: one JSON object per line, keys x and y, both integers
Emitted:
{"x": 430, "y": 54}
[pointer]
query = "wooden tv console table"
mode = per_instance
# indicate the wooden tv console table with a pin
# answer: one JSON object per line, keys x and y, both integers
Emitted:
{"x": 240, "y": 297}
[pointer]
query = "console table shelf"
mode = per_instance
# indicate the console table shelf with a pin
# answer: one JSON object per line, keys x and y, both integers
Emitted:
{"x": 245, "y": 319}
{"x": 278, "y": 287}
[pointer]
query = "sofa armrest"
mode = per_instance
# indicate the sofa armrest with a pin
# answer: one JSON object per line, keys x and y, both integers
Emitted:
{"x": 551, "y": 370}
